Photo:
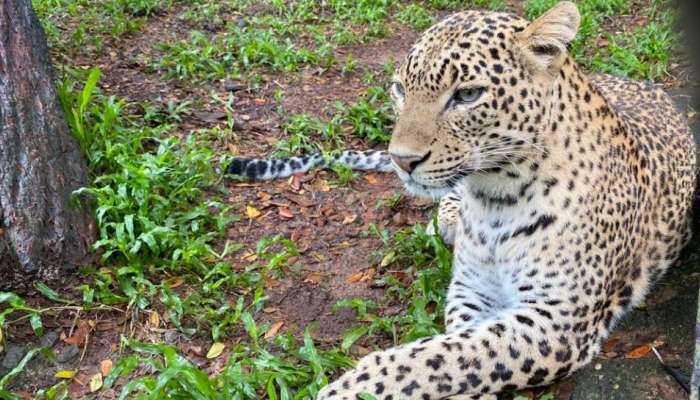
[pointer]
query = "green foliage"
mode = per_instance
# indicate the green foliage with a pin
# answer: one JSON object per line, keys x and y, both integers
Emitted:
{"x": 644, "y": 53}
{"x": 416, "y": 16}
{"x": 4, "y": 380}
{"x": 344, "y": 174}
{"x": 592, "y": 14}
{"x": 250, "y": 370}
{"x": 150, "y": 202}
{"x": 371, "y": 117}
{"x": 239, "y": 49}
{"x": 14, "y": 304}
{"x": 111, "y": 18}
{"x": 429, "y": 265}
{"x": 299, "y": 129}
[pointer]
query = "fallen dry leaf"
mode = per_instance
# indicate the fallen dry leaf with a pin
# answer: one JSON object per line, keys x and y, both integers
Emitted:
{"x": 349, "y": 219}
{"x": 610, "y": 345}
{"x": 252, "y": 212}
{"x": 264, "y": 196}
{"x": 95, "y": 383}
{"x": 246, "y": 184}
{"x": 65, "y": 374}
{"x": 295, "y": 182}
{"x": 80, "y": 334}
{"x": 175, "y": 282}
{"x": 371, "y": 179}
{"x": 215, "y": 350}
{"x": 274, "y": 329}
{"x": 354, "y": 278}
{"x": 387, "y": 259}
{"x": 300, "y": 200}
{"x": 154, "y": 319}
{"x": 313, "y": 277}
{"x": 105, "y": 366}
{"x": 369, "y": 274}
{"x": 639, "y": 352}
{"x": 285, "y": 213}
{"x": 324, "y": 186}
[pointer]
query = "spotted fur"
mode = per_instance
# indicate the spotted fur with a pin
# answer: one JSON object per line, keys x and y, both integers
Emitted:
{"x": 574, "y": 195}
{"x": 265, "y": 169}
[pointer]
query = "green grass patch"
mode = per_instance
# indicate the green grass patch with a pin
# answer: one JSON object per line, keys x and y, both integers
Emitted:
{"x": 74, "y": 26}
{"x": 427, "y": 269}
{"x": 643, "y": 52}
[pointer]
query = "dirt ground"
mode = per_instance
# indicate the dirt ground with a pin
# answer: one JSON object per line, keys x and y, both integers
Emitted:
{"x": 326, "y": 221}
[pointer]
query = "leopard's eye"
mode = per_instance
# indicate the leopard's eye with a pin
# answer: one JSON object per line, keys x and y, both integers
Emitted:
{"x": 397, "y": 90}
{"x": 468, "y": 95}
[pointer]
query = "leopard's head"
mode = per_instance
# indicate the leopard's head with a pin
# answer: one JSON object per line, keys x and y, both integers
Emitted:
{"x": 472, "y": 95}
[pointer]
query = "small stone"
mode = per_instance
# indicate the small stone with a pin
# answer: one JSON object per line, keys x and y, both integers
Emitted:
{"x": 49, "y": 339}
{"x": 233, "y": 86}
{"x": 598, "y": 366}
{"x": 238, "y": 125}
{"x": 13, "y": 355}
{"x": 171, "y": 337}
{"x": 241, "y": 22}
{"x": 67, "y": 353}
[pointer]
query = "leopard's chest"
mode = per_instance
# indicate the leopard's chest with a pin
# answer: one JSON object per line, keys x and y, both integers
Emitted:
{"x": 494, "y": 238}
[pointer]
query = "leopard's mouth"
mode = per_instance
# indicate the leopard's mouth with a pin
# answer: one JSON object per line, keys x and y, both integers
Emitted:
{"x": 419, "y": 189}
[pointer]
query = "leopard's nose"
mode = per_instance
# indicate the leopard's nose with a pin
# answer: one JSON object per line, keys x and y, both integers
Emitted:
{"x": 408, "y": 162}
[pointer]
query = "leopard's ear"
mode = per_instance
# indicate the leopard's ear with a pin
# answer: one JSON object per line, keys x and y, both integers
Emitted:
{"x": 544, "y": 41}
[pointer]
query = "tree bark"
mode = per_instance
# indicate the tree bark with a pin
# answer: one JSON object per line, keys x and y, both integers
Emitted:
{"x": 43, "y": 231}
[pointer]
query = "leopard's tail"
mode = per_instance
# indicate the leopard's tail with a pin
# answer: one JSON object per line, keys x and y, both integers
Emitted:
{"x": 258, "y": 169}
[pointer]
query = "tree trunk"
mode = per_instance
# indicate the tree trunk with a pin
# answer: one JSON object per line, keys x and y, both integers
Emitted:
{"x": 43, "y": 231}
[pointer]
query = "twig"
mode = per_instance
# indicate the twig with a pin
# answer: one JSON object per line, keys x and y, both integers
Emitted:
{"x": 679, "y": 377}
{"x": 66, "y": 308}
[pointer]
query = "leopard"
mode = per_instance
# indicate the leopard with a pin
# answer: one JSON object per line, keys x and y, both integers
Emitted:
{"x": 568, "y": 196}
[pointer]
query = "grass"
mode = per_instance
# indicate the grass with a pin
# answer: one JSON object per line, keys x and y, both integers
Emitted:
{"x": 642, "y": 52}
{"x": 97, "y": 21}
{"x": 162, "y": 212}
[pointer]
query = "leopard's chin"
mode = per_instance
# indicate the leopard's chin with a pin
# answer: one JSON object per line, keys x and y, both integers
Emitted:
{"x": 419, "y": 190}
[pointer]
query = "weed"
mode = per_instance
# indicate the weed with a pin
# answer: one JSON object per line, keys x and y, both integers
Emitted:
{"x": 239, "y": 49}
{"x": 392, "y": 201}
{"x": 349, "y": 65}
{"x": 299, "y": 130}
{"x": 416, "y": 16}
{"x": 371, "y": 116}
{"x": 344, "y": 174}
{"x": 250, "y": 370}
{"x": 643, "y": 53}
{"x": 428, "y": 262}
